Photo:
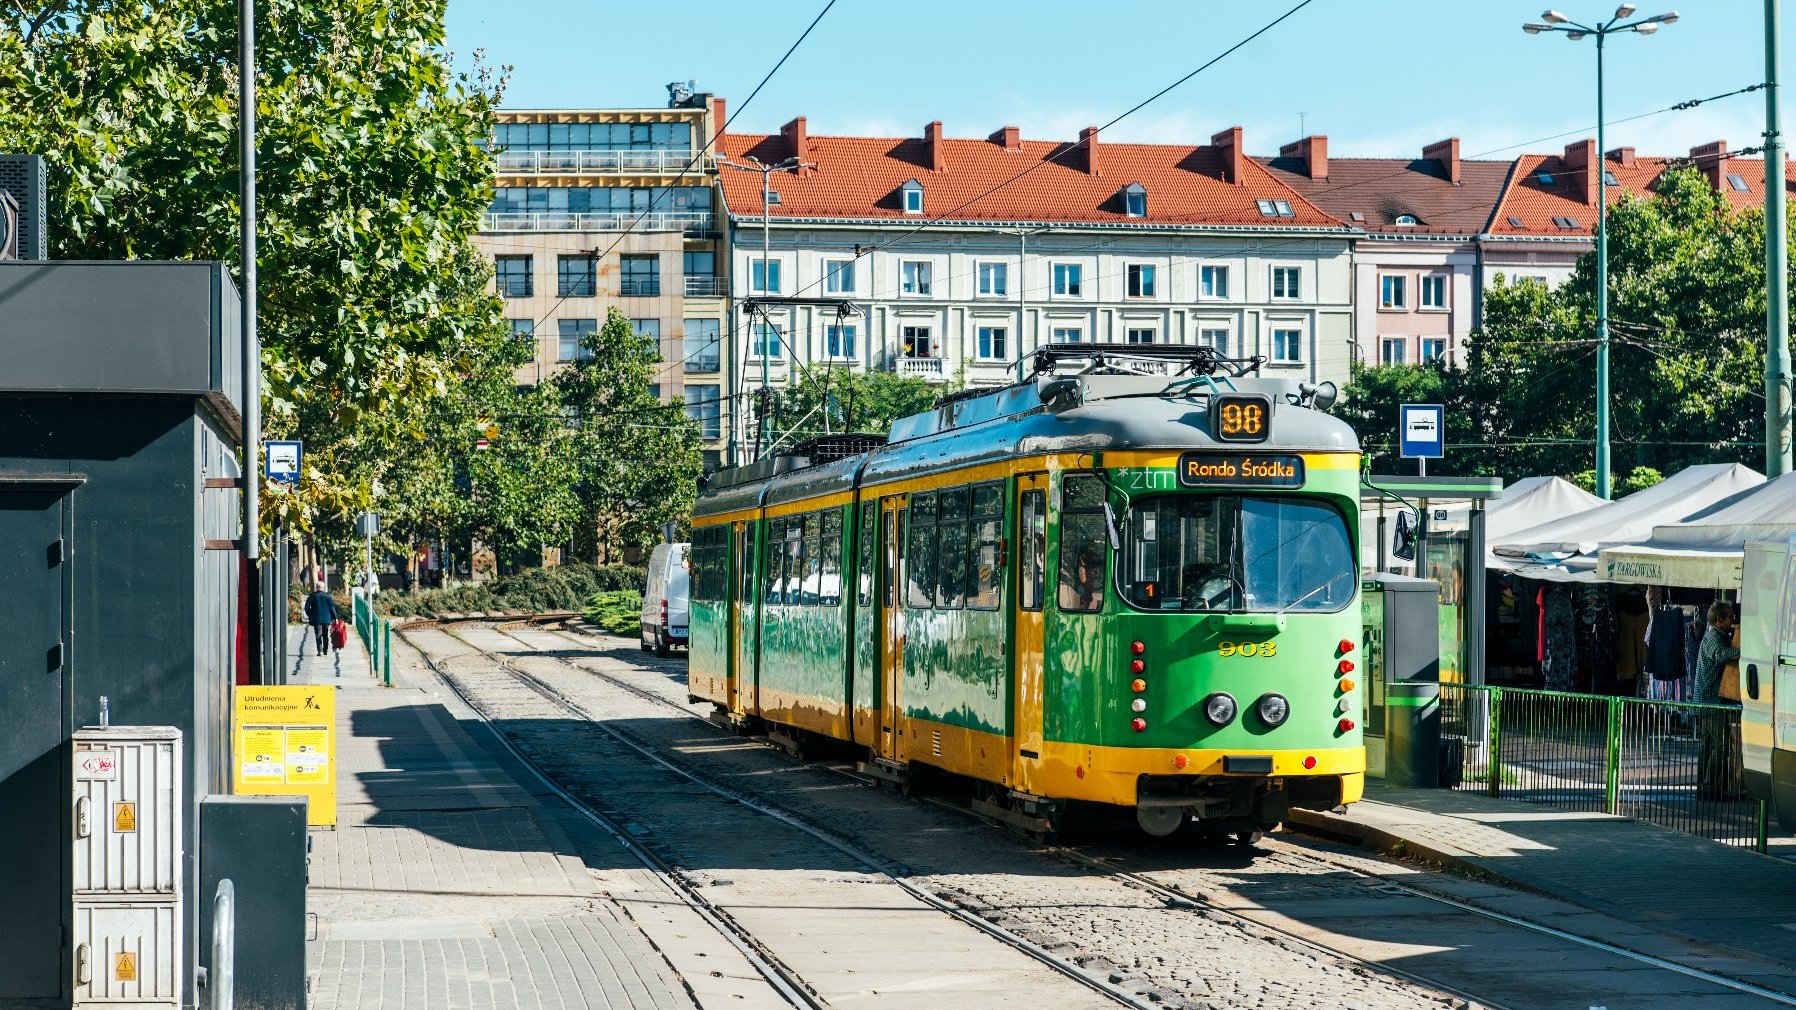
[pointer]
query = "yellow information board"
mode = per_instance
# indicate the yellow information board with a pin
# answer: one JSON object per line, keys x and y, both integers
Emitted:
{"x": 285, "y": 740}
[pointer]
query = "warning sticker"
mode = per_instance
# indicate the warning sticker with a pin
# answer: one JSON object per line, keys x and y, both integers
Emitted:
{"x": 262, "y": 751}
{"x": 96, "y": 766}
{"x": 124, "y": 966}
{"x": 308, "y": 750}
{"x": 124, "y": 817}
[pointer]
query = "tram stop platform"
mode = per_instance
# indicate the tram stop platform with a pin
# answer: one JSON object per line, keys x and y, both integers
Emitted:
{"x": 455, "y": 880}
{"x": 1636, "y": 879}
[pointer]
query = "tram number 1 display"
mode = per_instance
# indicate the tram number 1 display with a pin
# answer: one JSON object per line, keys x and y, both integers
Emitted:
{"x": 1240, "y": 417}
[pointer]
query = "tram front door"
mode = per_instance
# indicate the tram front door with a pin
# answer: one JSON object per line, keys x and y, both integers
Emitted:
{"x": 1026, "y": 601}
{"x": 891, "y": 623}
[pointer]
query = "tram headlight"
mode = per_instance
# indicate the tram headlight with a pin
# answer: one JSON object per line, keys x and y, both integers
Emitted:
{"x": 1219, "y": 708}
{"x": 1273, "y": 709}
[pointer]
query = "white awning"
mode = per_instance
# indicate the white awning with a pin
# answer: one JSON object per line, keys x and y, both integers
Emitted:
{"x": 1670, "y": 566}
{"x": 1706, "y": 551}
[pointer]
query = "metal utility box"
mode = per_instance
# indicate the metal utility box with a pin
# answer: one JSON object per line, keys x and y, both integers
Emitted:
{"x": 127, "y": 811}
{"x": 1403, "y": 655}
{"x": 259, "y": 844}
{"x": 128, "y": 953}
{"x": 119, "y": 507}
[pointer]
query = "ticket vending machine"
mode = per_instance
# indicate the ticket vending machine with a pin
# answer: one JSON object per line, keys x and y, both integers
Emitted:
{"x": 128, "y": 911}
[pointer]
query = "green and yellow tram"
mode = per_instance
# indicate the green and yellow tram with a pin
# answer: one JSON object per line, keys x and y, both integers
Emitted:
{"x": 1129, "y": 580}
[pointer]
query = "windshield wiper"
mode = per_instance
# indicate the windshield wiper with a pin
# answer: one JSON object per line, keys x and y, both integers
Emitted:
{"x": 1312, "y": 592}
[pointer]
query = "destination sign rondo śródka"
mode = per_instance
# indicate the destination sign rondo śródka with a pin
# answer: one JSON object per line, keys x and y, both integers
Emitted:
{"x": 1240, "y": 469}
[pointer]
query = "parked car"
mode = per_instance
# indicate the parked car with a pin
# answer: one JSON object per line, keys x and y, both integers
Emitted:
{"x": 664, "y": 600}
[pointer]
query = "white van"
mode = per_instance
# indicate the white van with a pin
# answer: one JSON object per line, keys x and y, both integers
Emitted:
{"x": 664, "y": 600}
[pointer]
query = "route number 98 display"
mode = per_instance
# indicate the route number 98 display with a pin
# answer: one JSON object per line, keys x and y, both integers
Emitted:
{"x": 1241, "y": 417}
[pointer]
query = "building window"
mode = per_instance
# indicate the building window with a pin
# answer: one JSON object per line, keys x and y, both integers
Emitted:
{"x": 1067, "y": 278}
{"x": 1135, "y": 200}
{"x": 838, "y": 341}
{"x": 838, "y": 277}
{"x": 1738, "y": 183}
{"x": 993, "y": 278}
{"x": 1391, "y": 293}
{"x": 1434, "y": 291}
{"x": 1287, "y": 345}
{"x": 918, "y": 342}
{"x": 649, "y": 332}
{"x": 993, "y": 343}
{"x": 703, "y": 345}
{"x": 702, "y": 406}
{"x": 1275, "y": 208}
{"x": 1141, "y": 280}
{"x": 523, "y": 329}
{"x": 513, "y": 276}
{"x": 1214, "y": 336}
{"x": 576, "y": 276}
{"x": 1068, "y": 334}
{"x": 764, "y": 276}
{"x": 1434, "y": 349}
{"x": 1213, "y": 282}
{"x": 1392, "y": 351}
{"x": 913, "y": 197}
{"x": 699, "y": 264}
{"x": 568, "y": 345}
{"x": 765, "y": 341}
{"x": 639, "y": 275}
{"x": 1142, "y": 334}
{"x": 1287, "y": 282}
{"x": 1406, "y": 221}
{"x": 913, "y": 277}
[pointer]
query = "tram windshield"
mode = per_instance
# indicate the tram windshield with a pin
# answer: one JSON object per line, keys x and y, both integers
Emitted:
{"x": 1236, "y": 553}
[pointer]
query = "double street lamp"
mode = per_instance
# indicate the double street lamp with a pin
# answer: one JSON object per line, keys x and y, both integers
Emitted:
{"x": 1557, "y": 22}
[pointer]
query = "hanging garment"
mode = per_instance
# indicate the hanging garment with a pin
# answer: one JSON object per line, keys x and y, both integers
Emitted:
{"x": 1540, "y": 626}
{"x": 1559, "y": 641}
{"x": 1665, "y": 646}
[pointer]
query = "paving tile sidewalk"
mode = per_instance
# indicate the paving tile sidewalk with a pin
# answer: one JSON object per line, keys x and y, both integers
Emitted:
{"x": 448, "y": 885}
{"x": 1641, "y": 874}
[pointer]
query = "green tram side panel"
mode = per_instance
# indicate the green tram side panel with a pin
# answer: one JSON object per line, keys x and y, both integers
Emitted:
{"x": 955, "y": 669}
{"x": 1086, "y": 693}
{"x": 708, "y": 637}
{"x": 803, "y": 654}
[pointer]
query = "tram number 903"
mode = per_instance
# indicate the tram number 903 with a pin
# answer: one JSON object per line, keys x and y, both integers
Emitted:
{"x": 1250, "y": 649}
{"x": 1241, "y": 418}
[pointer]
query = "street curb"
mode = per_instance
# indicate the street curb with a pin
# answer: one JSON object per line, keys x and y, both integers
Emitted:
{"x": 1335, "y": 827}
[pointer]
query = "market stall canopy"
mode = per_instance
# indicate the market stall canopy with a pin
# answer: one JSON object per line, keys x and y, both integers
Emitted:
{"x": 1680, "y": 497}
{"x": 1705, "y": 551}
{"x": 1533, "y": 501}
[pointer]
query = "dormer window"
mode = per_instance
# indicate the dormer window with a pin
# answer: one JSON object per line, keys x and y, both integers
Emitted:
{"x": 1406, "y": 221}
{"x": 911, "y": 193}
{"x": 1135, "y": 200}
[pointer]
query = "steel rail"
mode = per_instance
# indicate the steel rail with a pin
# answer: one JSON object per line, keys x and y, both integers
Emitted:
{"x": 1095, "y": 862}
{"x": 895, "y": 874}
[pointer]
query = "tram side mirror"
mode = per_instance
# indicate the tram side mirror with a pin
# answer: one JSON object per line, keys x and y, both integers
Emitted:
{"x": 1408, "y": 532}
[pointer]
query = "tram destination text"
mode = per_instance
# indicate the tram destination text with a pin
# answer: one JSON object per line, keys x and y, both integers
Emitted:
{"x": 1240, "y": 469}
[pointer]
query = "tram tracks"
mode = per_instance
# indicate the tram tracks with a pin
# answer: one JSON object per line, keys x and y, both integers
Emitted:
{"x": 786, "y": 980}
{"x": 1178, "y": 895}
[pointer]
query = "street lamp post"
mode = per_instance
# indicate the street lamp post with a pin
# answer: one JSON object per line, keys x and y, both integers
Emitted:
{"x": 1557, "y": 22}
{"x": 766, "y": 170}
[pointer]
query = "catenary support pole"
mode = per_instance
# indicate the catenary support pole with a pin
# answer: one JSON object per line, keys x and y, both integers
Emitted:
{"x": 1777, "y": 293}
{"x": 1601, "y": 168}
{"x": 252, "y": 345}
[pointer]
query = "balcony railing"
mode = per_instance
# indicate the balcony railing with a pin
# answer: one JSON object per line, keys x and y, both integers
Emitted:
{"x": 929, "y": 369}
{"x": 688, "y": 221}
{"x": 639, "y": 287}
{"x": 700, "y": 285}
{"x": 649, "y": 162}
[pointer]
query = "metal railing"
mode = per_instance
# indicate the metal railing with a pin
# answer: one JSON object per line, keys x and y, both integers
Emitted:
{"x": 930, "y": 369}
{"x": 692, "y": 222}
{"x": 645, "y": 287}
{"x": 376, "y": 633}
{"x": 1674, "y": 764}
{"x": 657, "y": 161}
{"x": 705, "y": 286}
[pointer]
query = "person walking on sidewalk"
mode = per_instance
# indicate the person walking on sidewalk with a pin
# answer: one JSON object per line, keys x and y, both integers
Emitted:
{"x": 1711, "y": 726}
{"x": 321, "y": 613}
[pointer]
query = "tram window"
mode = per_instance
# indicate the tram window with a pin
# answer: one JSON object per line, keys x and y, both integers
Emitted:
{"x": 796, "y": 560}
{"x": 1082, "y": 546}
{"x": 986, "y": 566}
{"x": 920, "y": 567}
{"x": 774, "y": 569}
{"x": 813, "y": 561}
{"x": 1236, "y": 553}
{"x": 869, "y": 514}
{"x": 745, "y": 555}
{"x": 1033, "y": 535}
{"x": 830, "y": 592}
{"x": 951, "y": 561}
{"x": 894, "y": 554}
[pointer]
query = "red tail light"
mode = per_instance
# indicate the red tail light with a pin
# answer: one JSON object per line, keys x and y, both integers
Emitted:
{"x": 1346, "y": 666}
{"x": 1346, "y": 645}
{"x": 1346, "y": 725}
{"x": 664, "y": 613}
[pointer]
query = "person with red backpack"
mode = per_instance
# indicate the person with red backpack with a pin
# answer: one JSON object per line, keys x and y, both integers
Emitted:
{"x": 321, "y": 615}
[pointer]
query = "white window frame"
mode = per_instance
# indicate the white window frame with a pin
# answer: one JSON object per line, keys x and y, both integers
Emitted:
{"x": 1207, "y": 328}
{"x": 926, "y": 273}
{"x": 910, "y": 197}
{"x": 998, "y": 270}
{"x": 1131, "y": 193}
{"x": 1134, "y": 271}
{"x": 1387, "y": 283}
{"x": 927, "y": 332}
{"x": 1425, "y": 358}
{"x": 1385, "y": 344}
{"x": 1134, "y": 326}
{"x": 1077, "y": 279}
{"x": 1293, "y": 294}
{"x": 1207, "y": 275}
{"x": 982, "y": 334}
{"x": 1056, "y": 330}
{"x": 1276, "y": 326}
{"x": 832, "y": 333}
{"x": 1432, "y": 280}
{"x": 773, "y": 273}
{"x": 833, "y": 271}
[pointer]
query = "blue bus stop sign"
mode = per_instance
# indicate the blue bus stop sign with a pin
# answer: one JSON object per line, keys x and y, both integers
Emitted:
{"x": 283, "y": 462}
{"x": 1422, "y": 430}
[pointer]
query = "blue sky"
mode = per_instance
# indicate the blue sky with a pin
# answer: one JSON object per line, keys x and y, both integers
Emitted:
{"x": 1379, "y": 77}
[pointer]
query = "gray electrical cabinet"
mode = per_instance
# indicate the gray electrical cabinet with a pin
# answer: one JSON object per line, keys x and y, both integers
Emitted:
{"x": 258, "y": 843}
{"x": 1402, "y": 635}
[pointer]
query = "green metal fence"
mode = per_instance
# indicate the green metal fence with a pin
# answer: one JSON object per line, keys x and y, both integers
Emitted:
{"x": 376, "y": 633}
{"x": 1675, "y": 764}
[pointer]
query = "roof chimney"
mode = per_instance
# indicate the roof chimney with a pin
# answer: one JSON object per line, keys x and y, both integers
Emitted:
{"x": 1314, "y": 152}
{"x": 938, "y": 154}
{"x": 1447, "y": 153}
{"x": 1581, "y": 165}
{"x": 1711, "y": 160}
{"x": 798, "y": 143}
{"x": 1009, "y": 137}
{"x": 1088, "y": 139}
{"x": 718, "y": 118}
{"x": 1234, "y": 159}
{"x": 1623, "y": 156}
